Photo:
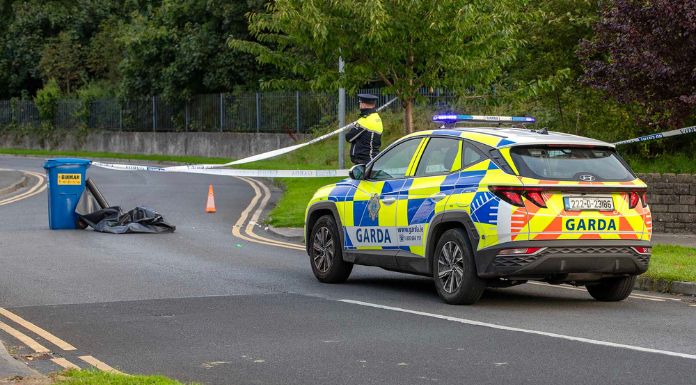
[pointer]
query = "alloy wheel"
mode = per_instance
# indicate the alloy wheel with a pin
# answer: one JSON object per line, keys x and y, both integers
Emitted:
{"x": 323, "y": 246}
{"x": 450, "y": 267}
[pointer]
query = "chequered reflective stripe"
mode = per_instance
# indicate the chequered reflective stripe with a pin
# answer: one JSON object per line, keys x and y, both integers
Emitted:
{"x": 551, "y": 223}
{"x": 495, "y": 220}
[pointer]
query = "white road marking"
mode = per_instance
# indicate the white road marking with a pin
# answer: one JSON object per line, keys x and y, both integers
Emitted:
{"x": 521, "y": 330}
{"x": 634, "y": 295}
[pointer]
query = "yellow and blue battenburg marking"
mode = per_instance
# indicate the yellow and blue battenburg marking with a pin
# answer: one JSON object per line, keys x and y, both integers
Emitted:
{"x": 396, "y": 214}
{"x": 403, "y": 224}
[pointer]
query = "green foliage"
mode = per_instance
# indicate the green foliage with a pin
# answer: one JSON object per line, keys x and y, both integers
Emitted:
{"x": 173, "y": 47}
{"x": 672, "y": 263}
{"x": 46, "y": 100}
{"x": 178, "y": 49}
{"x": 96, "y": 377}
{"x": 403, "y": 44}
{"x": 290, "y": 209}
{"x": 645, "y": 52}
{"x": 500, "y": 57}
{"x": 63, "y": 60}
{"x": 105, "y": 52}
{"x": 58, "y": 30}
{"x": 684, "y": 163}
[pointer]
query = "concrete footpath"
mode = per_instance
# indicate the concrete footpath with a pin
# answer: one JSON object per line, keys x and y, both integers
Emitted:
{"x": 11, "y": 369}
{"x": 11, "y": 181}
{"x": 688, "y": 240}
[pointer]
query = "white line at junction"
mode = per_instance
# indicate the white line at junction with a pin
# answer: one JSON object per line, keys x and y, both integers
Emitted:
{"x": 520, "y": 330}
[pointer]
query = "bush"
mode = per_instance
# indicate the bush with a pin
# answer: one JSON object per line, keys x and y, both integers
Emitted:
{"x": 89, "y": 93}
{"x": 46, "y": 100}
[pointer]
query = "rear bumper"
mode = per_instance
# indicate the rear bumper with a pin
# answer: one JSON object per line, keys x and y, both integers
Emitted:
{"x": 560, "y": 257}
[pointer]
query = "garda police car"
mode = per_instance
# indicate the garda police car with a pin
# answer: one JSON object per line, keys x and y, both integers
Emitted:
{"x": 487, "y": 206}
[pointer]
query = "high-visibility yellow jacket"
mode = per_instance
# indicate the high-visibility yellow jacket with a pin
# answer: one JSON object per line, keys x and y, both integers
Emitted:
{"x": 365, "y": 138}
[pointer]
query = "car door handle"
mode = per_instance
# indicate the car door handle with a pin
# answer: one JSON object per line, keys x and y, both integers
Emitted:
{"x": 438, "y": 197}
{"x": 388, "y": 201}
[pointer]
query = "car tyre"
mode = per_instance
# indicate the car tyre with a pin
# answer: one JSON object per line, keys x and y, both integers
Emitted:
{"x": 454, "y": 269}
{"x": 326, "y": 252}
{"x": 612, "y": 289}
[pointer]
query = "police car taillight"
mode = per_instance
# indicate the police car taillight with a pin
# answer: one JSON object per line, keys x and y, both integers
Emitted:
{"x": 521, "y": 251}
{"x": 633, "y": 199}
{"x": 642, "y": 249}
{"x": 513, "y": 195}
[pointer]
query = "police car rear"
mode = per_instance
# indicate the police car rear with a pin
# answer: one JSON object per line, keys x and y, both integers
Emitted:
{"x": 578, "y": 214}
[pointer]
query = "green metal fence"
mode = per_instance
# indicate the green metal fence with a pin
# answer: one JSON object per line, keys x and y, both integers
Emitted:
{"x": 277, "y": 111}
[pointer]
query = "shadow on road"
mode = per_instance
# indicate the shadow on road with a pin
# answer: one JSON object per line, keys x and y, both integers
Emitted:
{"x": 520, "y": 296}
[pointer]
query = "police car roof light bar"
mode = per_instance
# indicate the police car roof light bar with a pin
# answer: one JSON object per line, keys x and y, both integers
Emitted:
{"x": 452, "y": 118}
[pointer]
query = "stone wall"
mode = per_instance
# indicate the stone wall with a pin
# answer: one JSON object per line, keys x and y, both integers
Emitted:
{"x": 672, "y": 199}
{"x": 230, "y": 145}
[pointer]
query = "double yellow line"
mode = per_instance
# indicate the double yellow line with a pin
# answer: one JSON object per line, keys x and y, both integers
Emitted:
{"x": 35, "y": 189}
{"x": 49, "y": 337}
{"x": 261, "y": 192}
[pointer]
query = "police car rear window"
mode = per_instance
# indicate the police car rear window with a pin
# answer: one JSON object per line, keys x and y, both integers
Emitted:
{"x": 571, "y": 163}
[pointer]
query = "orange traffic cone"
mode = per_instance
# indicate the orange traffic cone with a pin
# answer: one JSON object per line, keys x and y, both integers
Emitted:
{"x": 210, "y": 205}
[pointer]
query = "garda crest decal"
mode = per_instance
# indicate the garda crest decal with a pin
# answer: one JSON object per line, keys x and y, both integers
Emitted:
{"x": 373, "y": 206}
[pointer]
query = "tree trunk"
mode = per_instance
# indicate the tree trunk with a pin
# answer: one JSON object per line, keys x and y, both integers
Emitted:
{"x": 408, "y": 115}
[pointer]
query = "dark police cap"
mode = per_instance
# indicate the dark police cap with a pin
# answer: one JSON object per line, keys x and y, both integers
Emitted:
{"x": 367, "y": 98}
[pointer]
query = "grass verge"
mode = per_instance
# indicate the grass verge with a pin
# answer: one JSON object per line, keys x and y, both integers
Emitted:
{"x": 112, "y": 155}
{"x": 672, "y": 263}
{"x": 93, "y": 377}
{"x": 289, "y": 211}
{"x": 666, "y": 163}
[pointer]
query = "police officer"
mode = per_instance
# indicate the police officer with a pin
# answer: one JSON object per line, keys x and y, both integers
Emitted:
{"x": 365, "y": 136}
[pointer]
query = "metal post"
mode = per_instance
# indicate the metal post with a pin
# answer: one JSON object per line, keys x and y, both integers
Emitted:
{"x": 258, "y": 112}
{"x": 120, "y": 117}
{"x": 154, "y": 114}
{"x": 297, "y": 111}
{"x": 341, "y": 115}
{"x": 222, "y": 112}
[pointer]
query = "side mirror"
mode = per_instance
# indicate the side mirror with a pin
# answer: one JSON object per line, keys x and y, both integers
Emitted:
{"x": 357, "y": 172}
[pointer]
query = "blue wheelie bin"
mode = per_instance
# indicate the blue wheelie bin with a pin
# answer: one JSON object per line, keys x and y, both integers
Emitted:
{"x": 66, "y": 182}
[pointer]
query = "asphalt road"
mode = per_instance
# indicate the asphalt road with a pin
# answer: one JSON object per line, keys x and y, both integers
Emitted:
{"x": 202, "y": 305}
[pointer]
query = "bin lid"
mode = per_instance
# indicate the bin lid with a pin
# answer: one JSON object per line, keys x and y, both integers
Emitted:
{"x": 51, "y": 163}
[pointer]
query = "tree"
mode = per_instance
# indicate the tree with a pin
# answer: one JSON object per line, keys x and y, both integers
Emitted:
{"x": 404, "y": 44}
{"x": 546, "y": 69}
{"x": 30, "y": 27}
{"x": 105, "y": 52}
{"x": 63, "y": 61}
{"x": 645, "y": 52}
{"x": 178, "y": 49}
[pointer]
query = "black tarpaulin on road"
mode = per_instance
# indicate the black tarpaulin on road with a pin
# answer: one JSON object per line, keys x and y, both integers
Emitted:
{"x": 138, "y": 220}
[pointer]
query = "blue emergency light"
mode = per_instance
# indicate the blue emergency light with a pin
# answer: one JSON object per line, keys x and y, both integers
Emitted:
{"x": 451, "y": 119}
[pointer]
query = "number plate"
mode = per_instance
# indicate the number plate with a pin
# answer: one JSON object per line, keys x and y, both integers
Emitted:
{"x": 588, "y": 203}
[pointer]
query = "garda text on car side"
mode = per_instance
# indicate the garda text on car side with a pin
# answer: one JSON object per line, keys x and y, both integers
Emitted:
{"x": 477, "y": 207}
